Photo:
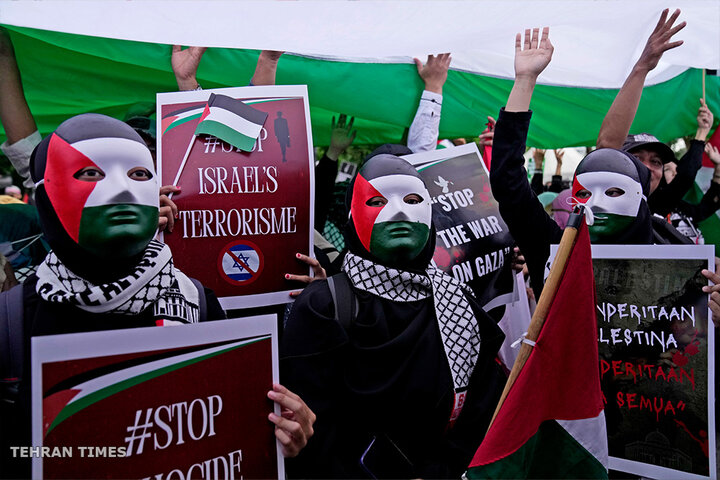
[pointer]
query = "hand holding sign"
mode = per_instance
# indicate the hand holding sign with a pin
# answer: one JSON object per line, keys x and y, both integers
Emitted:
{"x": 168, "y": 209}
{"x": 714, "y": 291}
{"x": 295, "y": 425}
{"x": 318, "y": 272}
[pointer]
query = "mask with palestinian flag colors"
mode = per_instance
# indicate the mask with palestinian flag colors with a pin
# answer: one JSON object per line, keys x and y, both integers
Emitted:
{"x": 99, "y": 180}
{"x": 390, "y": 209}
{"x": 610, "y": 186}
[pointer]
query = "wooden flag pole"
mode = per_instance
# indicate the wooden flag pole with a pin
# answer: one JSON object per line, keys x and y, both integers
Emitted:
{"x": 182, "y": 164}
{"x": 703, "y": 84}
{"x": 543, "y": 306}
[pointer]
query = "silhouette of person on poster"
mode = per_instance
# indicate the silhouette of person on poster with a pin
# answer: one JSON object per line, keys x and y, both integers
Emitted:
{"x": 282, "y": 133}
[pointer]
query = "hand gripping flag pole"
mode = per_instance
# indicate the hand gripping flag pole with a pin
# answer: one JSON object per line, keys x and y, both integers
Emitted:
{"x": 550, "y": 421}
{"x": 527, "y": 343}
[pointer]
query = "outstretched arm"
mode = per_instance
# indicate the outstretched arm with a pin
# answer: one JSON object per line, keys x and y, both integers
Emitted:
{"x": 705, "y": 120}
{"x": 185, "y": 66}
{"x": 423, "y": 133}
{"x": 529, "y": 224}
{"x": 18, "y": 122}
{"x": 15, "y": 114}
{"x": 668, "y": 196}
{"x": 536, "y": 182}
{"x": 617, "y": 122}
{"x": 342, "y": 136}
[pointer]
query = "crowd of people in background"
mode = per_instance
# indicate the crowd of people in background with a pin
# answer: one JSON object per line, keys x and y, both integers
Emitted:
{"x": 343, "y": 382}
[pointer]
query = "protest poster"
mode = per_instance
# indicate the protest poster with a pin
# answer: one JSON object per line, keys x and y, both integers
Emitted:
{"x": 656, "y": 358}
{"x": 157, "y": 403}
{"x": 473, "y": 244}
{"x": 243, "y": 215}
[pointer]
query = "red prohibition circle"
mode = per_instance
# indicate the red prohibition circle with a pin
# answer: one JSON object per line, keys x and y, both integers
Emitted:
{"x": 226, "y": 249}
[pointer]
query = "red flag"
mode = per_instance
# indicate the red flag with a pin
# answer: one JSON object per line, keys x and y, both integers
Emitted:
{"x": 560, "y": 381}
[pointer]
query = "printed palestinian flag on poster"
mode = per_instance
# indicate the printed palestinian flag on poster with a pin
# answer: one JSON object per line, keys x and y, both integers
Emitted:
{"x": 368, "y": 70}
{"x": 157, "y": 402}
{"x": 242, "y": 215}
{"x": 178, "y": 117}
{"x": 231, "y": 120}
{"x": 552, "y": 424}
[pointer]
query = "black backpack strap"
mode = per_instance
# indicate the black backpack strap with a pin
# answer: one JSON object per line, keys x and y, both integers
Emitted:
{"x": 345, "y": 301}
{"x": 11, "y": 342}
{"x": 202, "y": 299}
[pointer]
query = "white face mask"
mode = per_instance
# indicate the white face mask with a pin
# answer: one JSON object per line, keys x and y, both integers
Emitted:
{"x": 604, "y": 193}
{"x": 395, "y": 188}
{"x": 116, "y": 157}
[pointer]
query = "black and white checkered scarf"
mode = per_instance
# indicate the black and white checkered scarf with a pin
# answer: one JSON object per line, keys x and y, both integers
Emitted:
{"x": 154, "y": 282}
{"x": 456, "y": 321}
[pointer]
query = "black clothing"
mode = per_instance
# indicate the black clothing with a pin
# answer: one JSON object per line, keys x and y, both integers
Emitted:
{"x": 325, "y": 174}
{"x": 389, "y": 374}
{"x": 709, "y": 204}
{"x": 529, "y": 224}
{"x": 45, "y": 318}
{"x": 667, "y": 196}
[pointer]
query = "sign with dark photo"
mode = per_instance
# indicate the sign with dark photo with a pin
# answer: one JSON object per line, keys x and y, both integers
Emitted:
{"x": 157, "y": 403}
{"x": 656, "y": 359}
{"x": 473, "y": 243}
{"x": 243, "y": 215}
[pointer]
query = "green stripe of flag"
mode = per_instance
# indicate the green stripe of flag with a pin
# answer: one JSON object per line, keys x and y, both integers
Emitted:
{"x": 182, "y": 120}
{"x": 110, "y": 75}
{"x": 551, "y": 453}
{"x": 84, "y": 402}
{"x": 222, "y": 131}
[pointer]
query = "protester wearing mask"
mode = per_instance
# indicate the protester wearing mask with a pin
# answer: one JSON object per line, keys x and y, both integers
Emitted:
{"x": 388, "y": 388}
{"x": 96, "y": 193}
{"x": 613, "y": 184}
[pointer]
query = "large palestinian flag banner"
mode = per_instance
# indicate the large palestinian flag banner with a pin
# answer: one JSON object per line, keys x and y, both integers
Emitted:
{"x": 246, "y": 207}
{"x": 357, "y": 58}
{"x": 174, "y": 402}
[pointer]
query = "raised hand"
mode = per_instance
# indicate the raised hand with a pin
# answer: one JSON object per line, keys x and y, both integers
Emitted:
{"x": 341, "y": 136}
{"x": 486, "y": 137}
{"x": 704, "y": 120}
{"x": 435, "y": 71}
{"x": 185, "y": 65}
{"x": 539, "y": 158}
{"x": 534, "y": 54}
{"x": 713, "y": 153}
{"x": 659, "y": 40}
{"x": 168, "y": 210}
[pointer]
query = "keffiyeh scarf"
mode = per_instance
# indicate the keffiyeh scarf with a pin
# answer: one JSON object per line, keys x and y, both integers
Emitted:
{"x": 154, "y": 282}
{"x": 456, "y": 321}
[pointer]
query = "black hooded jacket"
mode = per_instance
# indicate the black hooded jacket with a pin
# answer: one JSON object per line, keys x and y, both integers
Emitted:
{"x": 531, "y": 227}
{"x": 387, "y": 376}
